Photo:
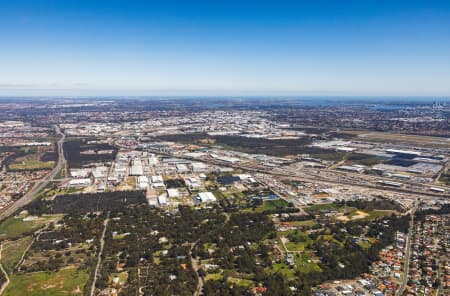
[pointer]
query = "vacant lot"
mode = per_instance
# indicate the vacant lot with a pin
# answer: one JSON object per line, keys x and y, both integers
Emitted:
{"x": 75, "y": 152}
{"x": 14, "y": 227}
{"x": 269, "y": 205}
{"x": 31, "y": 165}
{"x": 12, "y": 252}
{"x": 348, "y": 213}
{"x": 69, "y": 281}
{"x": 322, "y": 207}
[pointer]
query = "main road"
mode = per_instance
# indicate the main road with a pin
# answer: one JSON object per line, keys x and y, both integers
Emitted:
{"x": 99, "y": 255}
{"x": 39, "y": 185}
{"x": 407, "y": 254}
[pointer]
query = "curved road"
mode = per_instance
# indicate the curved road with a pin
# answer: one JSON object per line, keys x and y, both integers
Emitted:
{"x": 39, "y": 185}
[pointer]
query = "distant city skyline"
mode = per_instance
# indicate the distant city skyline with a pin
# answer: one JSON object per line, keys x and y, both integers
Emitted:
{"x": 317, "y": 48}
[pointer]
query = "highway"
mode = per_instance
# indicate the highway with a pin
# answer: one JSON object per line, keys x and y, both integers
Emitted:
{"x": 39, "y": 185}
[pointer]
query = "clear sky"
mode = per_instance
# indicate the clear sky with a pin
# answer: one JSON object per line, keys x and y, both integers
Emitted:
{"x": 315, "y": 47}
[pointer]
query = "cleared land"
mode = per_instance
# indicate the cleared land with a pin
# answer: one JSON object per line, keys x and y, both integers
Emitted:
{"x": 268, "y": 205}
{"x": 69, "y": 281}
{"x": 14, "y": 227}
{"x": 348, "y": 213}
{"x": 26, "y": 165}
{"x": 13, "y": 251}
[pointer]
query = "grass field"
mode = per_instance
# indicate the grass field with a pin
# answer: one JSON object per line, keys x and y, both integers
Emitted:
{"x": 303, "y": 257}
{"x": 12, "y": 252}
{"x": 305, "y": 264}
{"x": 329, "y": 237}
{"x": 213, "y": 277}
{"x": 309, "y": 223}
{"x": 298, "y": 246}
{"x": 31, "y": 165}
{"x": 284, "y": 269}
{"x": 299, "y": 242}
{"x": 122, "y": 277}
{"x": 229, "y": 194}
{"x": 68, "y": 281}
{"x": 378, "y": 213}
{"x": 269, "y": 205}
{"x": 219, "y": 194}
{"x": 50, "y": 190}
{"x": 321, "y": 207}
{"x": 240, "y": 282}
{"x": 364, "y": 245}
{"x": 14, "y": 227}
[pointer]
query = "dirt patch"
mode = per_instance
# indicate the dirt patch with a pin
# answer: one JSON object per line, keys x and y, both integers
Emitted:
{"x": 321, "y": 195}
{"x": 360, "y": 215}
{"x": 343, "y": 218}
{"x": 45, "y": 287}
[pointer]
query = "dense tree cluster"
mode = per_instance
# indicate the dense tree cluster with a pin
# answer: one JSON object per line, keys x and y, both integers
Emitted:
{"x": 275, "y": 147}
{"x": 175, "y": 183}
{"x": 373, "y": 204}
{"x": 75, "y": 159}
{"x": 87, "y": 202}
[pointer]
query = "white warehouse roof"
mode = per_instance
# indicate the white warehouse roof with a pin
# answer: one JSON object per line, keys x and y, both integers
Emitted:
{"x": 206, "y": 197}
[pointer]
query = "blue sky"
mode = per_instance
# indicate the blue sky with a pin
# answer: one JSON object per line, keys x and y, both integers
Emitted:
{"x": 225, "y": 47}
